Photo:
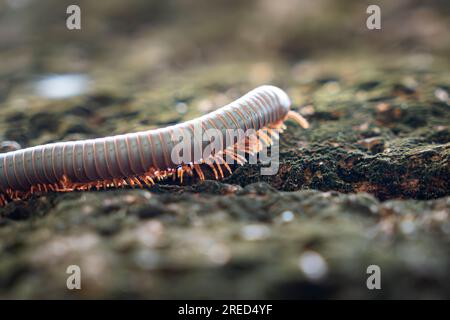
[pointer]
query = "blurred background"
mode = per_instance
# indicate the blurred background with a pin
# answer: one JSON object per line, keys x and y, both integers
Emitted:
{"x": 150, "y": 37}
{"x": 378, "y": 104}
{"x": 200, "y": 53}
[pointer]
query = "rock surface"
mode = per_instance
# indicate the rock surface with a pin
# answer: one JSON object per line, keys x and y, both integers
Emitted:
{"x": 367, "y": 184}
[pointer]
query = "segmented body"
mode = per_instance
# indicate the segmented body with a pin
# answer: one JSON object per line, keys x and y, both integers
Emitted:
{"x": 140, "y": 158}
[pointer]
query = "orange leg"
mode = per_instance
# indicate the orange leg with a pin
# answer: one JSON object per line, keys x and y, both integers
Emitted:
{"x": 199, "y": 171}
{"x": 2, "y": 200}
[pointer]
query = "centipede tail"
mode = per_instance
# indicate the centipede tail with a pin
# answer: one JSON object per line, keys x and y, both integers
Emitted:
{"x": 143, "y": 159}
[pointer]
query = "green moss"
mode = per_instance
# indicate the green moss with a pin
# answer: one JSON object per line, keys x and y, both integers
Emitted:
{"x": 368, "y": 183}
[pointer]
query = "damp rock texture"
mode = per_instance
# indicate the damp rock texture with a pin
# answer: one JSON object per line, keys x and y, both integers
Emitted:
{"x": 367, "y": 184}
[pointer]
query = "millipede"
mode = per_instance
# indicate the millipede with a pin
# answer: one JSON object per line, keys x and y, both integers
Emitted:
{"x": 143, "y": 158}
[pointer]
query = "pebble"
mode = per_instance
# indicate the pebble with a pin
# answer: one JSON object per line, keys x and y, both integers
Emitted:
{"x": 313, "y": 265}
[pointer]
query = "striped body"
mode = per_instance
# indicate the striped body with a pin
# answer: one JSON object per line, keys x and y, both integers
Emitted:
{"x": 133, "y": 154}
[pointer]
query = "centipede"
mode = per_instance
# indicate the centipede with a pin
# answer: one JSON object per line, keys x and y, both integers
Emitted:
{"x": 143, "y": 159}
